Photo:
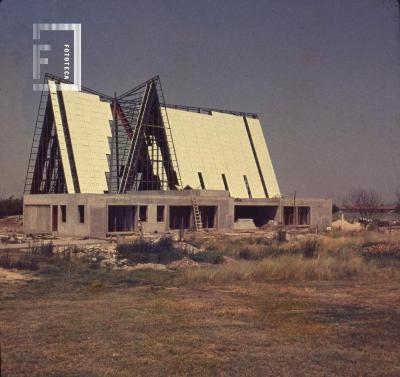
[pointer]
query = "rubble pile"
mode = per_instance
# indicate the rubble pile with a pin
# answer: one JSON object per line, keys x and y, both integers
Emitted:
{"x": 183, "y": 263}
{"x": 12, "y": 238}
{"x": 187, "y": 248}
{"x": 106, "y": 256}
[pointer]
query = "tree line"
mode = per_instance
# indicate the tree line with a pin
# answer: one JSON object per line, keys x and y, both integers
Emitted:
{"x": 366, "y": 202}
{"x": 10, "y": 206}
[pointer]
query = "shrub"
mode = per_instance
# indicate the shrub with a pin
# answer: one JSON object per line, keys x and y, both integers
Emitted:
{"x": 5, "y": 260}
{"x": 26, "y": 262}
{"x": 208, "y": 256}
{"x": 44, "y": 250}
{"x": 274, "y": 252}
{"x": 21, "y": 262}
{"x": 246, "y": 254}
{"x": 164, "y": 243}
{"x": 147, "y": 251}
{"x": 227, "y": 246}
{"x": 256, "y": 253}
{"x": 38, "y": 255}
{"x": 280, "y": 235}
{"x": 309, "y": 248}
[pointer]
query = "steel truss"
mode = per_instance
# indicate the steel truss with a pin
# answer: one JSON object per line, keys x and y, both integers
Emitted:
{"x": 45, "y": 172}
{"x": 142, "y": 150}
{"x": 146, "y": 154}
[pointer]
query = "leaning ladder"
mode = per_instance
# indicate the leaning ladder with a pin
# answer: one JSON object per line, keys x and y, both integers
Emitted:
{"x": 196, "y": 212}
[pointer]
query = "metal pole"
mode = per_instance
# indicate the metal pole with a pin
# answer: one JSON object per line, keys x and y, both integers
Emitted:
{"x": 116, "y": 138}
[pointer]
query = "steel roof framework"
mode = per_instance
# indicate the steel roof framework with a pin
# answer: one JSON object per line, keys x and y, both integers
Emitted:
{"x": 142, "y": 149}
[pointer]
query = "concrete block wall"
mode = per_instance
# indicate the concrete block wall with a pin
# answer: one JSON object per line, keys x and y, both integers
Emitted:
{"x": 38, "y": 210}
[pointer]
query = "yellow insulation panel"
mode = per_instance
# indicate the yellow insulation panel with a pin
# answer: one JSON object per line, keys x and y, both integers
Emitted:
{"x": 217, "y": 144}
{"x": 88, "y": 121}
{"x": 89, "y": 128}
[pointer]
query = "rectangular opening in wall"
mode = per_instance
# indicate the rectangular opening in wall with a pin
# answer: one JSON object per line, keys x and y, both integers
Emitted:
{"x": 208, "y": 216}
{"x": 63, "y": 214}
{"x": 260, "y": 214}
{"x": 143, "y": 213}
{"x": 160, "y": 214}
{"x": 246, "y": 182}
{"x": 180, "y": 217}
{"x": 225, "y": 182}
{"x": 303, "y": 215}
{"x": 288, "y": 215}
{"x": 81, "y": 213}
{"x": 55, "y": 219}
{"x": 202, "y": 185}
{"x": 121, "y": 218}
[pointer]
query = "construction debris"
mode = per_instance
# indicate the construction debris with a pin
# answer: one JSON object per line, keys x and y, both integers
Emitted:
{"x": 183, "y": 263}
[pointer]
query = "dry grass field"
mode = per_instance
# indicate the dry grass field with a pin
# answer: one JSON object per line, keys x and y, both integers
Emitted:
{"x": 271, "y": 310}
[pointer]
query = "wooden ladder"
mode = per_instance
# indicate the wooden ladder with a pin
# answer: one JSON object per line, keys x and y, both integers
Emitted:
{"x": 196, "y": 212}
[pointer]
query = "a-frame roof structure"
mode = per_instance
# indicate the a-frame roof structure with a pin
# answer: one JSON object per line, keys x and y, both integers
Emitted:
{"x": 91, "y": 142}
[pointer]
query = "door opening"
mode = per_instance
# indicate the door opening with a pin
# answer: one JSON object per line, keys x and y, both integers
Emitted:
{"x": 55, "y": 219}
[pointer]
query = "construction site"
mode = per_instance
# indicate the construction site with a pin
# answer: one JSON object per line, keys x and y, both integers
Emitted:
{"x": 199, "y": 188}
{"x": 105, "y": 165}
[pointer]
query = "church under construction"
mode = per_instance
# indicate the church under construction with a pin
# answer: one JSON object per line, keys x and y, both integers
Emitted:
{"x": 103, "y": 165}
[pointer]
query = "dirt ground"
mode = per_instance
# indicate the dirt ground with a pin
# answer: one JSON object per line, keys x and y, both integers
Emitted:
{"x": 9, "y": 276}
{"x": 148, "y": 324}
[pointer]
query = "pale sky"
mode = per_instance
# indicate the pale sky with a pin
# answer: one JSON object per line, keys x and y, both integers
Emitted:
{"x": 323, "y": 75}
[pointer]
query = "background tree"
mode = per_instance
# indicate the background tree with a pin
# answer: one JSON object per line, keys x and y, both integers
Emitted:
{"x": 365, "y": 202}
{"x": 11, "y": 206}
{"x": 398, "y": 200}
